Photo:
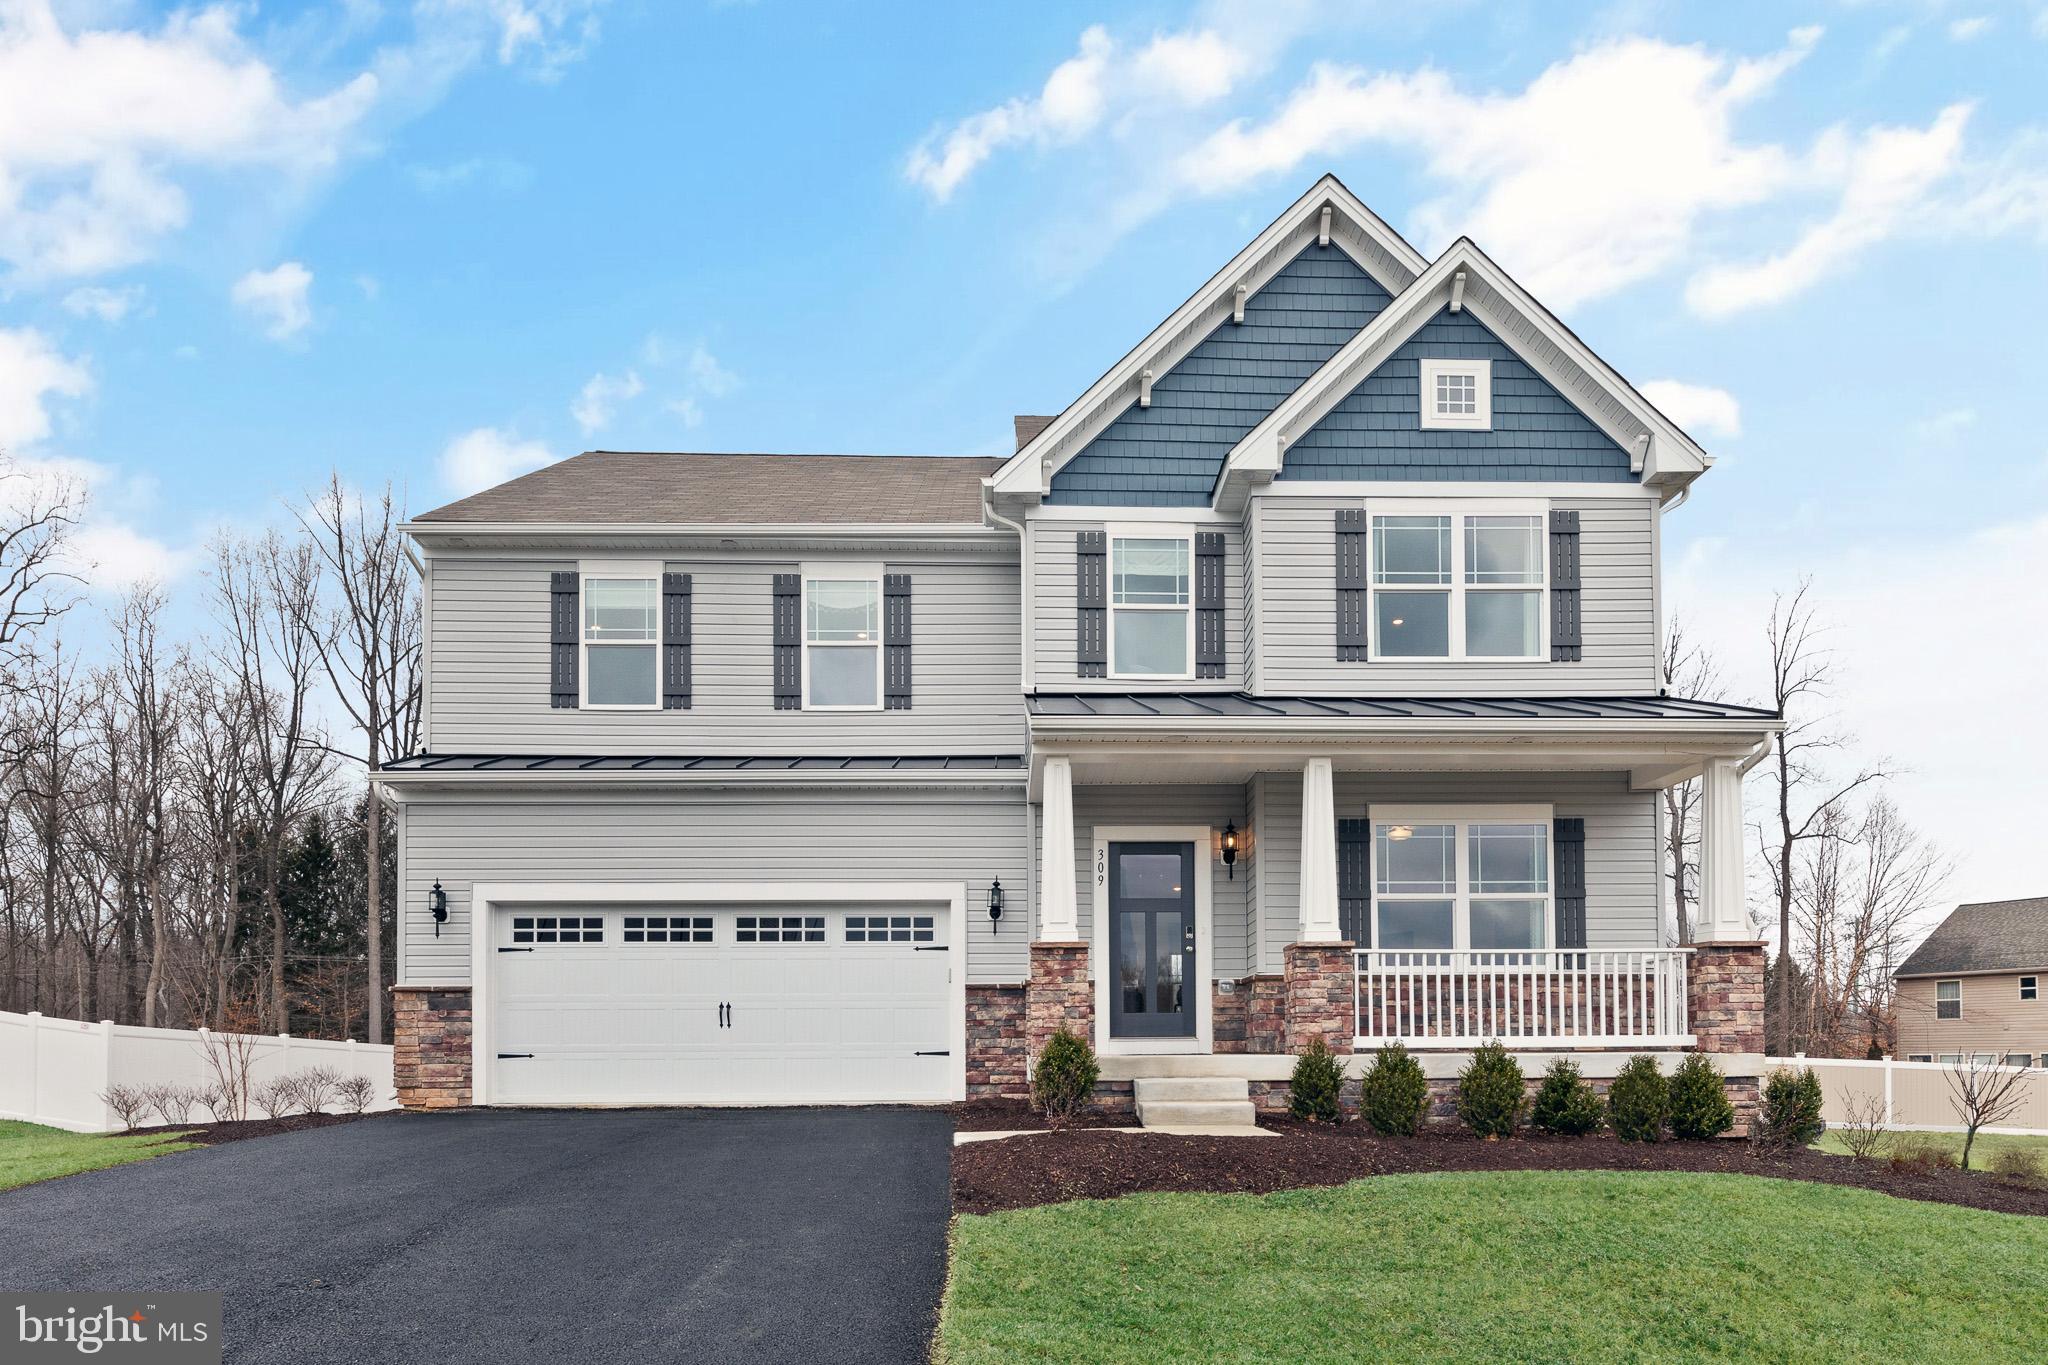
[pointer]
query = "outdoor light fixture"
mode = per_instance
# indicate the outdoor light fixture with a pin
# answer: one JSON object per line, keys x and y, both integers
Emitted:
{"x": 995, "y": 904}
{"x": 1399, "y": 832}
{"x": 437, "y": 902}
{"x": 1230, "y": 847}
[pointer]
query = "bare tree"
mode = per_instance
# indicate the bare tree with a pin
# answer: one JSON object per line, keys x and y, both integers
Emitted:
{"x": 368, "y": 632}
{"x": 1984, "y": 1094}
{"x": 1806, "y": 794}
{"x": 1690, "y": 670}
{"x": 37, "y": 512}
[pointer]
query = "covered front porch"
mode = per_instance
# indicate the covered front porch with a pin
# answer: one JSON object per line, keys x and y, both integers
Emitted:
{"x": 1220, "y": 877}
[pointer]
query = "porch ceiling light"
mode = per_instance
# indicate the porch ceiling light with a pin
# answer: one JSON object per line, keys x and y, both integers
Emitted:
{"x": 437, "y": 905}
{"x": 1230, "y": 847}
{"x": 1399, "y": 832}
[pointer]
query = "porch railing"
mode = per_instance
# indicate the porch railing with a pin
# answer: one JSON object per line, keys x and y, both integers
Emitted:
{"x": 1552, "y": 997}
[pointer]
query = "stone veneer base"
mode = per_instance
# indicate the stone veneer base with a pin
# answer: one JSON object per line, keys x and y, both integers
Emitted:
{"x": 430, "y": 1057}
{"x": 997, "y": 1065}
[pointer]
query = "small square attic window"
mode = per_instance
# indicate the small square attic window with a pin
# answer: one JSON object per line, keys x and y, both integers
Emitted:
{"x": 1457, "y": 395}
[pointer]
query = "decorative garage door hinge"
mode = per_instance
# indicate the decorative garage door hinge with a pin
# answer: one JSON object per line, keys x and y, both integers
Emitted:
{"x": 515, "y": 950}
{"x": 503, "y": 1055}
{"x": 930, "y": 948}
{"x": 942, "y": 1052}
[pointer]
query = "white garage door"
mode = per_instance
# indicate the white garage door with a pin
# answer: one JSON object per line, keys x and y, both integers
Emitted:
{"x": 693, "y": 1004}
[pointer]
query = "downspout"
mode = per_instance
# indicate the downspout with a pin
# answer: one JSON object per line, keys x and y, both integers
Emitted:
{"x": 988, "y": 508}
{"x": 1756, "y": 755}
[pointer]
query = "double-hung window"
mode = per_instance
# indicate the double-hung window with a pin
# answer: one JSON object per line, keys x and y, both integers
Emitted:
{"x": 621, "y": 629}
{"x": 1450, "y": 879}
{"x": 1151, "y": 604}
{"x": 1462, "y": 584}
{"x": 1948, "y": 999}
{"x": 843, "y": 639}
{"x": 2030, "y": 988}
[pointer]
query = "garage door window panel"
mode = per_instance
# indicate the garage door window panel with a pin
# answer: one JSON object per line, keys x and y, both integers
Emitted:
{"x": 780, "y": 929}
{"x": 558, "y": 928}
{"x": 667, "y": 929}
{"x": 889, "y": 929}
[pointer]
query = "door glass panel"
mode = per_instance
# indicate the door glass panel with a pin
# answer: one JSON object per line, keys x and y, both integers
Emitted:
{"x": 1415, "y": 924}
{"x": 1166, "y": 928}
{"x": 1130, "y": 966}
{"x": 1148, "y": 876}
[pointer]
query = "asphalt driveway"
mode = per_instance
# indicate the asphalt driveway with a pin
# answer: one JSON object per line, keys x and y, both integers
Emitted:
{"x": 734, "y": 1235}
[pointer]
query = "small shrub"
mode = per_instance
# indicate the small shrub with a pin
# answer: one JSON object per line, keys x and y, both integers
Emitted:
{"x": 1490, "y": 1092}
{"x": 1875, "y": 1052}
{"x": 356, "y": 1094}
{"x": 1921, "y": 1155}
{"x": 2021, "y": 1164}
{"x": 1312, "y": 1092}
{"x": 1565, "y": 1102}
{"x": 1698, "y": 1100}
{"x": 214, "y": 1101}
{"x": 276, "y": 1098}
{"x": 1863, "y": 1132}
{"x": 1394, "y": 1095}
{"x": 1790, "y": 1114}
{"x": 1064, "y": 1078}
{"x": 171, "y": 1102}
{"x": 317, "y": 1087}
{"x": 1638, "y": 1100}
{"x": 129, "y": 1103}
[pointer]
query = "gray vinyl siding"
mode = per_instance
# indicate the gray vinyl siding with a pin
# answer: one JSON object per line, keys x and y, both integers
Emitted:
{"x": 1053, "y": 601}
{"x": 1621, "y": 842}
{"x": 488, "y": 653}
{"x": 831, "y": 838}
{"x": 1209, "y": 806}
{"x": 1295, "y": 584}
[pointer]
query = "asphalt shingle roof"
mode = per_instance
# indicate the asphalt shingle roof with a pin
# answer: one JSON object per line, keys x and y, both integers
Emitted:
{"x": 654, "y": 487}
{"x": 1990, "y": 936}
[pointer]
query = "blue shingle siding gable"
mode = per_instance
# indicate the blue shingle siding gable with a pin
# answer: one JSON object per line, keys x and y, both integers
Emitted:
{"x": 1376, "y": 432}
{"x": 1168, "y": 455}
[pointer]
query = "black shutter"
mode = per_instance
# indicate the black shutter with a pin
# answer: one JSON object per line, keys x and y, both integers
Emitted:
{"x": 1209, "y": 604}
{"x": 1091, "y": 604}
{"x": 675, "y": 641}
{"x": 1568, "y": 838}
{"x": 896, "y": 641}
{"x": 1354, "y": 881}
{"x": 789, "y": 643}
{"x": 1565, "y": 639}
{"x": 562, "y": 684}
{"x": 1351, "y": 585}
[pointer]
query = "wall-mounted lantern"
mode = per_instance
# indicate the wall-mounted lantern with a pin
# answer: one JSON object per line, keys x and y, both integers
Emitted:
{"x": 437, "y": 904}
{"x": 1230, "y": 847}
{"x": 995, "y": 905}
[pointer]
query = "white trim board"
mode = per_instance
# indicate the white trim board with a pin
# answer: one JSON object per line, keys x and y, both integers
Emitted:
{"x": 1198, "y": 978}
{"x": 486, "y": 898}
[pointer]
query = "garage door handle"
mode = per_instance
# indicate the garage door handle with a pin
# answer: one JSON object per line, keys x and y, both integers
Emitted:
{"x": 515, "y": 950}
{"x": 930, "y": 948}
{"x": 503, "y": 1055}
{"x": 942, "y": 1052}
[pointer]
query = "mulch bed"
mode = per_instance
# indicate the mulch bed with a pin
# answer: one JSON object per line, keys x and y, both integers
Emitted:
{"x": 1025, "y": 1171}
{"x": 996, "y": 1116}
{"x": 213, "y": 1134}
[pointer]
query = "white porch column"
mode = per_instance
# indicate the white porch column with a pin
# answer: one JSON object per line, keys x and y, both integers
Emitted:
{"x": 1724, "y": 908}
{"x": 1318, "y": 854}
{"x": 1057, "y": 922}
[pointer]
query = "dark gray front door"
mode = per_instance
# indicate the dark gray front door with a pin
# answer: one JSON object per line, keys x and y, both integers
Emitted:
{"x": 1152, "y": 940}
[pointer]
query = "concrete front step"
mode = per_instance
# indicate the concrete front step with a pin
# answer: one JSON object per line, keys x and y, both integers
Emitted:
{"x": 1150, "y": 1088}
{"x": 1197, "y": 1114}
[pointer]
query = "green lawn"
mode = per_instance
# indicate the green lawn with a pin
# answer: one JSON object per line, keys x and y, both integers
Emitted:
{"x": 1980, "y": 1155}
{"x": 1520, "y": 1266}
{"x": 30, "y": 1152}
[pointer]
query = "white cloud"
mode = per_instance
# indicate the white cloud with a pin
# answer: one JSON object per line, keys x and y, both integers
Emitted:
{"x": 32, "y": 371}
{"x": 1523, "y": 182}
{"x": 687, "y": 410}
{"x": 689, "y": 377}
{"x": 277, "y": 298}
{"x": 478, "y": 459}
{"x": 1886, "y": 175}
{"x": 708, "y": 375}
{"x": 1958, "y": 762}
{"x": 594, "y": 406}
{"x": 541, "y": 36}
{"x": 1700, "y": 410}
{"x": 112, "y": 557}
{"x": 96, "y": 125}
{"x": 99, "y": 301}
{"x": 499, "y": 173}
{"x": 1944, "y": 427}
{"x": 1970, "y": 29}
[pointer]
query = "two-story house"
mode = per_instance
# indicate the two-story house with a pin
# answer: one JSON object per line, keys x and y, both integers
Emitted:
{"x": 1973, "y": 989}
{"x": 1300, "y": 678}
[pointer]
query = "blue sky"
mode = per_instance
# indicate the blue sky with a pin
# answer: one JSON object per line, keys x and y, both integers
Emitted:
{"x": 440, "y": 242}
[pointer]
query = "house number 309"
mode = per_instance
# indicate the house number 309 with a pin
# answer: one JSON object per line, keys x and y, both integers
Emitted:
{"x": 1101, "y": 867}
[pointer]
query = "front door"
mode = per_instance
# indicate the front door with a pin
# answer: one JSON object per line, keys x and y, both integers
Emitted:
{"x": 1152, "y": 940}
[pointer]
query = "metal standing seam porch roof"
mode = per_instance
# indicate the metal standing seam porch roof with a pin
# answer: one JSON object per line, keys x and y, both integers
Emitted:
{"x": 676, "y": 763}
{"x": 1141, "y": 706}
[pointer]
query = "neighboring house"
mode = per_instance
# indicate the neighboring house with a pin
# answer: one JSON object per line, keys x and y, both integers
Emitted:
{"x": 1974, "y": 989}
{"x": 1300, "y": 678}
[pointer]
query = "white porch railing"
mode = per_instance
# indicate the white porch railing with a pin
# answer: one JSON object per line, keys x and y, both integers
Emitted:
{"x": 1547, "y": 998}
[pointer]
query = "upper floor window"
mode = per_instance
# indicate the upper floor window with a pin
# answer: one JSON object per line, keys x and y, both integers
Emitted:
{"x": 1458, "y": 584}
{"x": 1948, "y": 999}
{"x": 843, "y": 641}
{"x": 1457, "y": 395}
{"x": 2030, "y": 988}
{"x": 1447, "y": 879}
{"x": 1151, "y": 607}
{"x": 621, "y": 637}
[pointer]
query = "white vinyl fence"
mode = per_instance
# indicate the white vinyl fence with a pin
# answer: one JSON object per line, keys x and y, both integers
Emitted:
{"x": 53, "y": 1071}
{"x": 1917, "y": 1096}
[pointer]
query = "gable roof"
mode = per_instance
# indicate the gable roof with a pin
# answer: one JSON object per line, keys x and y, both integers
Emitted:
{"x": 1663, "y": 453}
{"x": 1989, "y": 936}
{"x": 621, "y": 487}
{"x": 1360, "y": 232}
